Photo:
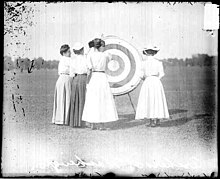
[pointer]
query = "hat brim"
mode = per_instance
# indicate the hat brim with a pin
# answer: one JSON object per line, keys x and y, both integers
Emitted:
{"x": 78, "y": 49}
{"x": 153, "y": 49}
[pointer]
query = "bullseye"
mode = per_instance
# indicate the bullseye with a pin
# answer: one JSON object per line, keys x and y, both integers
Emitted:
{"x": 113, "y": 65}
{"x": 123, "y": 68}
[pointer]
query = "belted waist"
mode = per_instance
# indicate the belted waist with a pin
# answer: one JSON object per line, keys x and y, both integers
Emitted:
{"x": 99, "y": 71}
{"x": 80, "y": 74}
{"x": 64, "y": 73}
{"x": 153, "y": 75}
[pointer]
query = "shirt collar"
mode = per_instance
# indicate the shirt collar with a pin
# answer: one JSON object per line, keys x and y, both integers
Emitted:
{"x": 65, "y": 58}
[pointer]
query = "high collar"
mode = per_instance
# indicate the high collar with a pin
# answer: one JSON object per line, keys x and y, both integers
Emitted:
{"x": 65, "y": 58}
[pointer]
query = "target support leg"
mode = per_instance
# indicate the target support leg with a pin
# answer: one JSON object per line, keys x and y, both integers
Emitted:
{"x": 131, "y": 102}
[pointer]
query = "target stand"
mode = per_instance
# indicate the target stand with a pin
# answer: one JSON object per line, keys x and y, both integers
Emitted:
{"x": 129, "y": 100}
{"x": 122, "y": 69}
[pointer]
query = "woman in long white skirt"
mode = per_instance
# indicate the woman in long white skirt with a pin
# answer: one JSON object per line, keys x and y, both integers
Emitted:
{"x": 62, "y": 93}
{"x": 152, "y": 101}
{"x": 99, "y": 103}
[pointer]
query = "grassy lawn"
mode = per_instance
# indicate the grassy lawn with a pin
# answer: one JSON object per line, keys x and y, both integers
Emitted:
{"x": 186, "y": 143}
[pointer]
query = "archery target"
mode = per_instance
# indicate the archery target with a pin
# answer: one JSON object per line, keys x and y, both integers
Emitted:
{"x": 122, "y": 69}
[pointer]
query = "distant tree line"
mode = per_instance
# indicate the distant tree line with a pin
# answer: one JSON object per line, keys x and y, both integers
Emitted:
{"x": 195, "y": 60}
{"x": 29, "y": 65}
{"x": 39, "y": 63}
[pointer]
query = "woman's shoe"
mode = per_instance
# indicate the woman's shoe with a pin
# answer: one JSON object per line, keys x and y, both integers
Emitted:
{"x": 93, "y": 127}
{"x": 154, "y": 123}
{"x": 104, "y": 129}
{"x": 158, "y": 122}
{"x": 150, "y": 125}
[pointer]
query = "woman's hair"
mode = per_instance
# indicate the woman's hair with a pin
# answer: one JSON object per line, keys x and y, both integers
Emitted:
{"x": 152, "y": 52}
{"x": 102, "y": 43}
{"x": 64, "y": 48}
{"x": 91, "y": 44}
{"x": 97, "y": 43}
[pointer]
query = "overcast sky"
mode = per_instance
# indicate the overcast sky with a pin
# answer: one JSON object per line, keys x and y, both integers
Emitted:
{"x": 176, "y": 29}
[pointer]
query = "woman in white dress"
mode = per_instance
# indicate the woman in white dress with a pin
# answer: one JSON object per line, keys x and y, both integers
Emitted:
{"x": 99, "y": 104}
{"x": 152, "y": 101}
{"x": 62, "y": 93}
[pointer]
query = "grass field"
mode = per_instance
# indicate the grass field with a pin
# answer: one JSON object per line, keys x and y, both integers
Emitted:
{"x": 185, "y": 143}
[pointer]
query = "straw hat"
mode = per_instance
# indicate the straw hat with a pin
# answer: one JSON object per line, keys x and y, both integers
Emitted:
{"x": 151, "y": 47}
{"x": 77, "y": 46}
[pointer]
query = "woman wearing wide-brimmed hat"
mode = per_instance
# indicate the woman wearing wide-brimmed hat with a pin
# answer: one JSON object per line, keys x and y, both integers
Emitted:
{"x": 79, "y": 70}
{"x": 99, "y": 105}
{"x": 152, "y": 101}
{"x": 62, "y": 93}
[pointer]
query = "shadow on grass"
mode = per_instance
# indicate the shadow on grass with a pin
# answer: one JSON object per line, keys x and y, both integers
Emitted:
{"x": 125, "y": 121}
{"x": 128, "y": 121}
{"x": 176, "y": 111}
{"x": 176, "y": 122}
{"x": 206, "y": 127}
{"x": 183, "y": 120}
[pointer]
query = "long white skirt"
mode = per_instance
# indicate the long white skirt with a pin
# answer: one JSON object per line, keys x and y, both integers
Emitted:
{"x": 152, "y": 101}
{"x": 99, "y": 103}
{"x": 62, "y": 96}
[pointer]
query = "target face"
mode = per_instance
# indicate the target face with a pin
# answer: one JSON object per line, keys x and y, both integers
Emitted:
{"x": 122, "y": 69}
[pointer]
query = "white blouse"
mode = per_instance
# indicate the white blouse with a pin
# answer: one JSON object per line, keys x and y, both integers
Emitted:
{"x": 64, "y": 65}
{"x": 97, "y": 61}
{"x": 150, "y": 67}
{"x": 78, "y": 65}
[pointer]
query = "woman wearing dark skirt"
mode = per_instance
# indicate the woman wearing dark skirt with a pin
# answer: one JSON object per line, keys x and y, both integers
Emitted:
{"x": 78, "y": 69}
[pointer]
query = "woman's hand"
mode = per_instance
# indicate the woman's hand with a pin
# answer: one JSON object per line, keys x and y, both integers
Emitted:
{"x": 72, "y": 75}
{"x": 89, "y": 75}
{"x": 143, "y": 78}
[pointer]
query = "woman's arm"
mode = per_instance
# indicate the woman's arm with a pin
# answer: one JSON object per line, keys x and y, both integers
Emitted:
{"x": 89, "y": 75}
{"x": 109, "y": 56}
{"x": 141, "y": 72}
{"x": 72, "y": 70}
{"x": 89, "y": 68}
{"x": 161, "y": 71}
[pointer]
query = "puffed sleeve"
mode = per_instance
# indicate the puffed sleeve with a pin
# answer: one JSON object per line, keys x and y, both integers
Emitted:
{"x": 160, "y": 68}
{"x": 109, "y": 56}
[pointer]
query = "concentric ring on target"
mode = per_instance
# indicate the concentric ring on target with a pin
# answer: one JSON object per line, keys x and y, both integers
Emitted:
{"x": 124, "y": 78}
{"x": 116, "y": 66}
{"x": 124, "y": 66}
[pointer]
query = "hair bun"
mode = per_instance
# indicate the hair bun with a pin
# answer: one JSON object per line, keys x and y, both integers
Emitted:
{"x": 91, "y": 44}
{"x": 64, "y": 48}
{"x": 96, "y": 43}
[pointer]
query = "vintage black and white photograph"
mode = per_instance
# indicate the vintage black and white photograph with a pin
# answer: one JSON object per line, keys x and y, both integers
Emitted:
{"x": 110, "y": 89}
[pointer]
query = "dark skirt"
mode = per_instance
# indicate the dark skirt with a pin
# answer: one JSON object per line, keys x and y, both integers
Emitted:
{"x": 77, "y": 102}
